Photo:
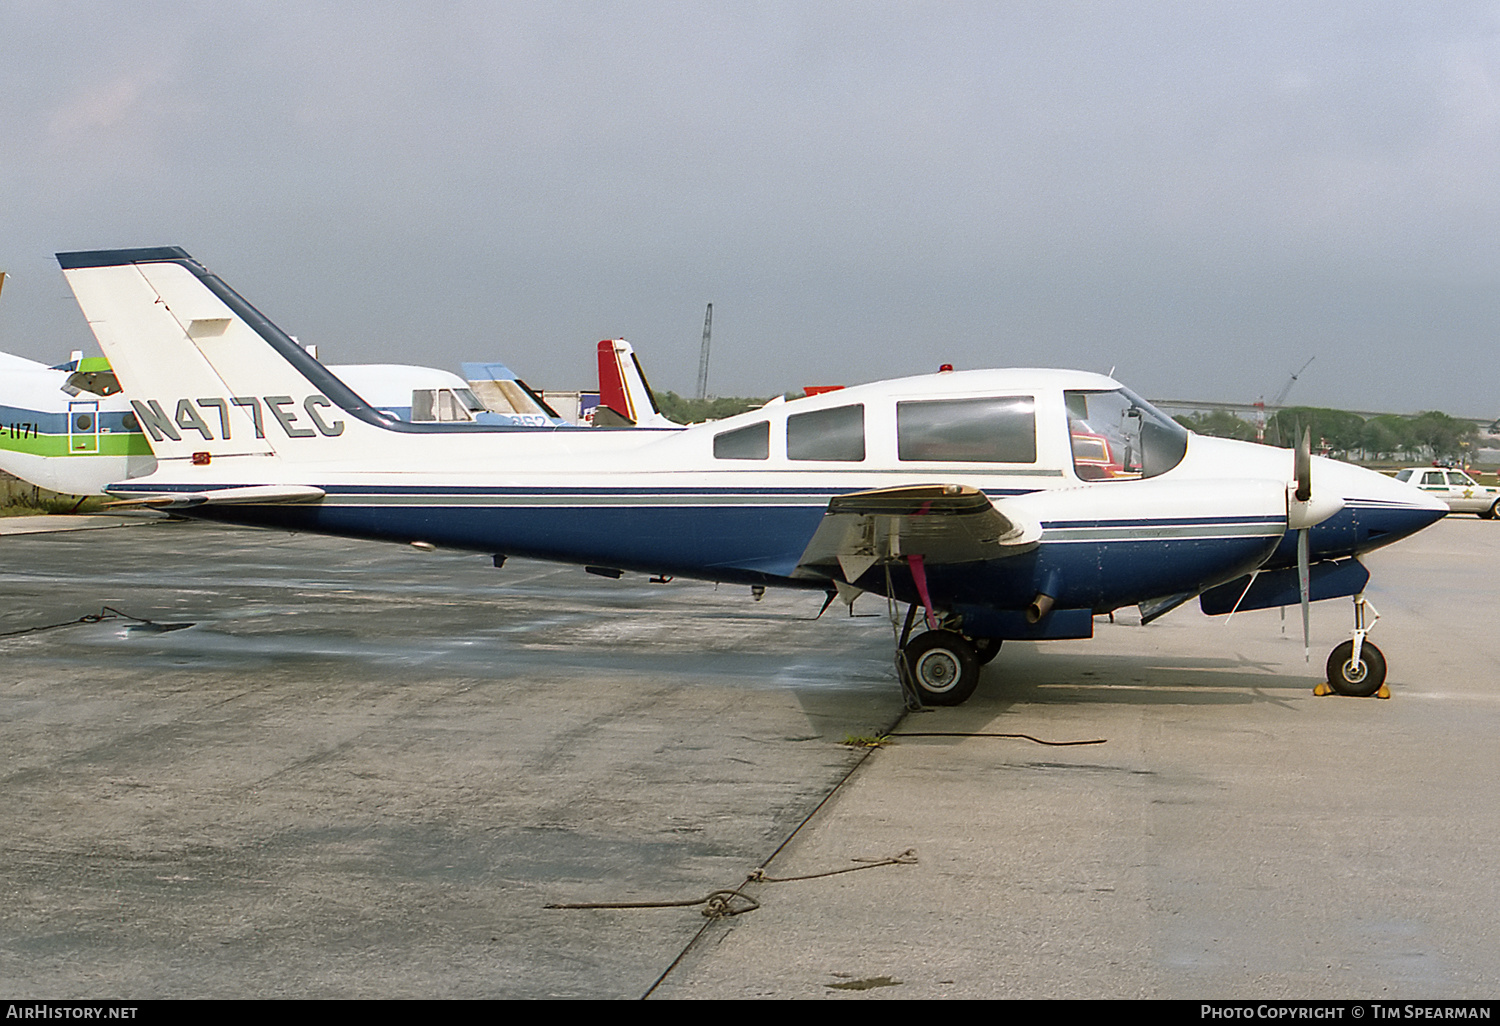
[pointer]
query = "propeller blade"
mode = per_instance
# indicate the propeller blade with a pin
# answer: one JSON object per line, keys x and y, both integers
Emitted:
{"x": 1304, "y": 586}
{"x": 1304, "y": 573}
{"x": 1304, "y": 466}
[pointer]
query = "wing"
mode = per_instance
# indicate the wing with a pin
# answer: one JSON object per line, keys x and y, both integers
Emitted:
{"x": 940, "y": 523}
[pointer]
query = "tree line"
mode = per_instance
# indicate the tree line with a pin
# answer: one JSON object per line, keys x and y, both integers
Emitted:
{"x": 684, "y": 410}
{"x": 1423, "y": 436}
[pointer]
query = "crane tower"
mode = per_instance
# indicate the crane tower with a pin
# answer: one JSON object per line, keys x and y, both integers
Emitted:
{"x": 708, "y": 323}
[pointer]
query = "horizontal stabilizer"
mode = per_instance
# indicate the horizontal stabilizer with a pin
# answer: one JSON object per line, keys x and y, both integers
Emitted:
{"x": 259, "y": 494}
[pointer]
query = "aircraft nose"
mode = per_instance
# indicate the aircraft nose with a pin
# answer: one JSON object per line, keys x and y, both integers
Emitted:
{"x": 1384, "y": 510}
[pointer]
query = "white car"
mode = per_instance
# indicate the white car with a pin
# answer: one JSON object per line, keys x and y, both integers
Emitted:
{"x": 1461, "y": 492}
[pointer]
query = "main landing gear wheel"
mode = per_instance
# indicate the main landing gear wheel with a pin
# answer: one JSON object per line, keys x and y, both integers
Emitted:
{"x": 1360, "y": 681}
{"x": 944, "y": 667}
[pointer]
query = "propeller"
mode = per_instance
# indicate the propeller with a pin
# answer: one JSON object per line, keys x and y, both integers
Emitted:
{"x": 1304, "y": 466}
{"x": 1304, "y": 571}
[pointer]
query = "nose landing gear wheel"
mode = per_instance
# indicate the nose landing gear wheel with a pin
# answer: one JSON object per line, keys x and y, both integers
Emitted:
{"x": 944, "y": 667}
{"x": 1360, "y": 681}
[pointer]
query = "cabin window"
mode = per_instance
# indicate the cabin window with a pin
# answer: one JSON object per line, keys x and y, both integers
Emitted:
{"x": 746, "y": 443}
{"x": 835, "y": 435}
{"x": 1118, "y": 436}
{"x": 995, "y": 429}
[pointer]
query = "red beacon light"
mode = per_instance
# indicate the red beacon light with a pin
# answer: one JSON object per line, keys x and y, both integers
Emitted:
{"x": 946, "y": 368}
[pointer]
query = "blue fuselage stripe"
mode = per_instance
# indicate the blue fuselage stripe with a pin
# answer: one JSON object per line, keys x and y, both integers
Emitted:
{"x": 760, "y": 534}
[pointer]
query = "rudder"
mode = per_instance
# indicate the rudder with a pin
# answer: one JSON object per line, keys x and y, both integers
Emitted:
{"x": 208, "y": 375}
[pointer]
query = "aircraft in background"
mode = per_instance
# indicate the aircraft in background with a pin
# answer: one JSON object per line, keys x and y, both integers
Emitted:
{"x": 958, "y": 493}
{"x": 68, "y": 428}
{"x": 54, "y": 435}
{"x": 625, "y": 398}
{"x": 502, "y": 393}
{"x": 67, "y": 438}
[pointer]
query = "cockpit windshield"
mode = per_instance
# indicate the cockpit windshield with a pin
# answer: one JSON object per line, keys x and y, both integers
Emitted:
{"x": 1118, "y": 436}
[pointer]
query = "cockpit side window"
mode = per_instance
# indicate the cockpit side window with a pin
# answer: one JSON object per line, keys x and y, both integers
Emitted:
{"x": 450, "y": 407}
{"x": 1118, "y": 436}
{"x": 746, "y": 443}
{"x": 443, "y": 404}
{"x": 468, "y": 400}
{"x": 836, "y": 435}
{"x": 993, "y": 429}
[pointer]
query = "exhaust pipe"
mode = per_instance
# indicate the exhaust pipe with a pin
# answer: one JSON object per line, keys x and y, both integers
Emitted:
{"x": 1040, "y": 607}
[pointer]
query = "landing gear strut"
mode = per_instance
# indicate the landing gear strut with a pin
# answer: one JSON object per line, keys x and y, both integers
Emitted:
{"x": 1356, "y": 667}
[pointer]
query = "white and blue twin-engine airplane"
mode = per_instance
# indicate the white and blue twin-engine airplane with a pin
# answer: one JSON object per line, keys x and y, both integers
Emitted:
{"x": 1006, "y": 504}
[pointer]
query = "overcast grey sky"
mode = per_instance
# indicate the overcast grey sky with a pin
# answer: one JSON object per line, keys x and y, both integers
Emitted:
{"x": 1200, "y": 195}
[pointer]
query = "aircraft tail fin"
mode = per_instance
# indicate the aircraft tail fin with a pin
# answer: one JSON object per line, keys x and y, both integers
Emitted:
{"x": 623, "y": 389}
{"x": 208, "y": 375}
{"x": 502, "y": 392}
